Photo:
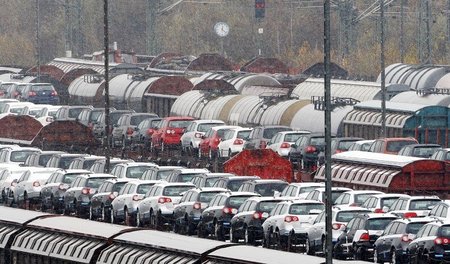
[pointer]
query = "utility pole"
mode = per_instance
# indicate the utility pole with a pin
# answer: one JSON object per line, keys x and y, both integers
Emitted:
{"x": 402, "y": 31}
{"x": 383, "y": 75}
{"x": 346, "y": 15}
{"x": 73, "y": 20}
{"x": 38, "y": 44}
{"x": 424, "y": 36}
{"x": 106, "y": 55}
{"x": 448, "y": 20}
{"x": 152, "y": 41}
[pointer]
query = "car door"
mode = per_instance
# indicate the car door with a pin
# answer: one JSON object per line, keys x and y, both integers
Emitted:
{"x": 316, "y": 231}
{"x": 270, "y": 223}
{"x": 180, "y": 209}
{"x": 208, "y": 214}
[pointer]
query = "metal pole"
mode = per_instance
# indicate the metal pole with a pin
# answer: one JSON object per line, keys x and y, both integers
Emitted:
{"x": 327, "y": 93}
{"x": 38, "y": 45}
{"x": 402, "y": 32}
{"x": 107, "y": 121}
{"x": 383, "y": 76}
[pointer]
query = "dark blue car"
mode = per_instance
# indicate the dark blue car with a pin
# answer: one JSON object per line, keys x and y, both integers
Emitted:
{"x": 40, "y": 93}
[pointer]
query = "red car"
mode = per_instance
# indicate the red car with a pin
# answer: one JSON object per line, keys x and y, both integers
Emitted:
{"x": 210, "y": 141}
{"x": 169, "y": 132}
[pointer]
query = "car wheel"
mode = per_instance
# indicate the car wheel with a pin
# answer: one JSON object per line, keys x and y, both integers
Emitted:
{"x": 126, "y": 217}
{"x": 188, "y": 227}
{"x": 233, "y": 239}
{"x": 358, "y": 253}
{"x": 248, "y": 236}
{"x": 218, "y": 231}
{"x": 201, "y": 232}
{"x": 308, "y": 249}
{"x": 277, "y": 241}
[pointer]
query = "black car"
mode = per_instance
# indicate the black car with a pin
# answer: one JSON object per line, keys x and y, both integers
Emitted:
{"x": 234, "y": 182}
{"x": 216, "y": 218}
{"x": 419, "y": 150}
{"x": 392, "y": 244}
{"x": 247, "y": 223}
{"x": 260, "y": 135}
{"x": 263, "y": 187}
{"x": 360, "y": 234}
{"x": 431, "y": 245}
{"x": 308, "y": 151}
{"x": 100, "y": 207}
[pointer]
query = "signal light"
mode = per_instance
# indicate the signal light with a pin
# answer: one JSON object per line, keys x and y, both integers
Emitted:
{"x": 364, "y": 237}
{"x": 164, "y": 200}
{"x": 260, "y": 8}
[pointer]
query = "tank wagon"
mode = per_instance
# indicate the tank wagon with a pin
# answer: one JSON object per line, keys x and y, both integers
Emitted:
{"x": 428, "y": 124}
{"x": 388, "y": 173}
{"x": 422, "y": 98}
{"x": 36, "y": 237}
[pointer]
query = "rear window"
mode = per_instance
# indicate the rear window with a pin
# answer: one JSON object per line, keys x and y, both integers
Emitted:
{"x": 267, "y": 206}
{"x": 118, "y": 186}
{"x": 135, "y": 120}
{"x": 187, "y": 177}
{"x": 444, "y": 231}
{"x": 378, "y": 223}
{"x": 308, "y": 189}
{"x": 205, "y": 127}
{"x": 206, "y": 197}
{"x": 292, "y": 137}
{"x": 175, "y": 190}
{"x": 68, "y": 178}
{"x": 243, "y": 134}
{"x": 422, "y": 204}
{"x": 74, "y": 112}
{"x": 317, "y": 141}
{"x": 20, "y": 156}
{"x": 361, "y": 198}
{"x": 221, "y": 132}
{"x": 344, "y": 145}
{"x": 269, "y": 189}
{"x": 413, "y": 228}
{"x": 233, "y": 185}
{"x": 425, "y": 152}
{"x": 346, "y": 216}
{"x": 395, "y": 146}
{"x": 162, "y": 175}
{"x": 179, "y": 123}
{"x": 143, "y": 188}
{"x": 270, "y": 132}
{"x": 210, "y": 181}
{"x": 39, "y": 88}
{"x": 305, "y": 209}
{"x": 388, "y": 201}
{"x": 237, "y": 201}
{"x": 136, "y": 172}
{"x": 95, "y": 182}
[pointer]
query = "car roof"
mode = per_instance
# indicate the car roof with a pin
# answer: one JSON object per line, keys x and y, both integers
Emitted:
{"x": 307, "y": 184}
{"x": 414, "y": 220}
{"x": 190, "y": 170}
{"x": 211, "y": 189}
{"x": 363, "y": 191}
{"x": 387, "y": 195}
{"x": 349, "y": 208}
{"x": 207, "y": 121}
{"x": 165, "y": 184}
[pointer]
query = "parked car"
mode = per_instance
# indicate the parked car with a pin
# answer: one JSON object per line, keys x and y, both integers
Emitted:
{"x": 100, "y": 207}
{"x": 100, "y": 123}
{"x": 47, "y": 114}
{"x": 52, "y": 192}
{"x": 354, "y": 198}
{"x": 70, "y": 112}
{"x": 16, "y": 155}
{"x": 380, "y": 203}
{"x": 169, "y": 132}
{"x": 124, "y": 206}
{"x": 263, "y": 187}
{"x": 40, "y": 93}
{"x": 40, "y": 159}
{"x": 360, "y": 234}
{"x": 413, "y": 206}
{"x": 185, "y": 175}
{"x": 281, "y": 142}
{"x": 441, "y": 154}
{"x": 157, "y": 207}
{"x": 28, "y": 188}
{"x": 10, "y": 90}
{"x": 194, "y": 131}
{"x": 419, "y": 150}
{"x": 233, "y": 142}
{"x": 341, "y": 144}
{"x": 361, "y": 145}
{"x": 286, "y": 227}
{"x": 440, "y": 211}
{"x": 14, "y": 108}
{"x": 77, "y": 197}
{"x": 391, "y": 145}
{"x": 8, "y": 180}
{"x": 208, "y": 179}
{"x": 84, "y": 162}
{"x": 32, "y": 110}
{"x": 189, "y": 210}
{"x": 431, "y": 244}
{"x": 126, "y": 127}
{"x": 131, "y": 170}
{"x": 159, "y": 173}
{"x": 308, "y": 151}
{"x": 209, "y": 145}
{"x": 319, "y": 193}
{"x": 233, "y": 183}
{"x": 247, "y": 223}
{"x": 144, "y": 132}
{"x": 392, "y": 245}
{"x": 99, "y": 166}
{"x": 260, "y": 135}
{"x": 315, "y": 240}
{"x": 62, "y": 160}
{"x": 300, "y": 190}
{"x": 215, "y": 219}
{"x": 88, "y": 117}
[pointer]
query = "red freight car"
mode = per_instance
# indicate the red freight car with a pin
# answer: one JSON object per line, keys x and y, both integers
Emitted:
{"x": 389, "y": 173}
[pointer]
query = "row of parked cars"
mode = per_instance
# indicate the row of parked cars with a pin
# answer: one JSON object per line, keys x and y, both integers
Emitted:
{"x": 368, "y": 225}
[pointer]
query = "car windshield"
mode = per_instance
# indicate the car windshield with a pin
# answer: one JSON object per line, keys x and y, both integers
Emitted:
{"x": 413, "y": 228}
{"x": 267, "y": 206}
{"x": 205, "y": 127}
{"x": 269, "y": 188}
{"x": 95, "y": 182}
{"x": 378, "y": 223}
{"x": 135, "y": 172}
{"x": 20, "y": 155}
{"x": 305, "y": 209}
{"x": 345, "y": 216}
{"x": 175, "y": 190}
{"x": 74, "y": 112}
{"x": 395, "y": 146}
{"x": 423, "y": 204}
{"x": 206, "y": 197}
{"x": 270, "y": 132}
{"x": 179, "y": 123}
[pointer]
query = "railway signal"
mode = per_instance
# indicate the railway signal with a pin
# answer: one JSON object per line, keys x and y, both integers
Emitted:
{"x": 260, "y": 9}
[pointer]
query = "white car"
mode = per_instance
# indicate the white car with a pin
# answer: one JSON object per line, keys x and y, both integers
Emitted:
{"x": 33, "y": 110}
{"x": 340, "y": 217}
{"x": 361, "y": 145}
{"x": 300, "y": 190}
{"x": 354, "y": 198}
{"x": 8, "y": 181}
{"x": 14, "y": 108}
{"x": 441, "y": 211}
{"x": 157, "y": 207}
{"x": 414, "y": 206}
{"x": 16, "y": 155}
{"x": 233, "y": 141}
{"x": 380, "y": 203}
{"x": 281, "y": 142}
{"x": 47, "y": 114}
{"x": 287, "y": 225}
{"x": 194, "y": 132}
{"x": 29, "y": 185}
{"x": 124, "y": 206}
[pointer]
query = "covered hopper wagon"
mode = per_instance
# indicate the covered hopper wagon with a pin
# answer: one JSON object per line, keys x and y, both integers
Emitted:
{"x": 389, "y": 173}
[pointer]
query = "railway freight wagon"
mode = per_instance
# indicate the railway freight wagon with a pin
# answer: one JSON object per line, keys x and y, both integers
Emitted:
{"x": 428, "y": 124}
{"x": 388, "y": 173}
